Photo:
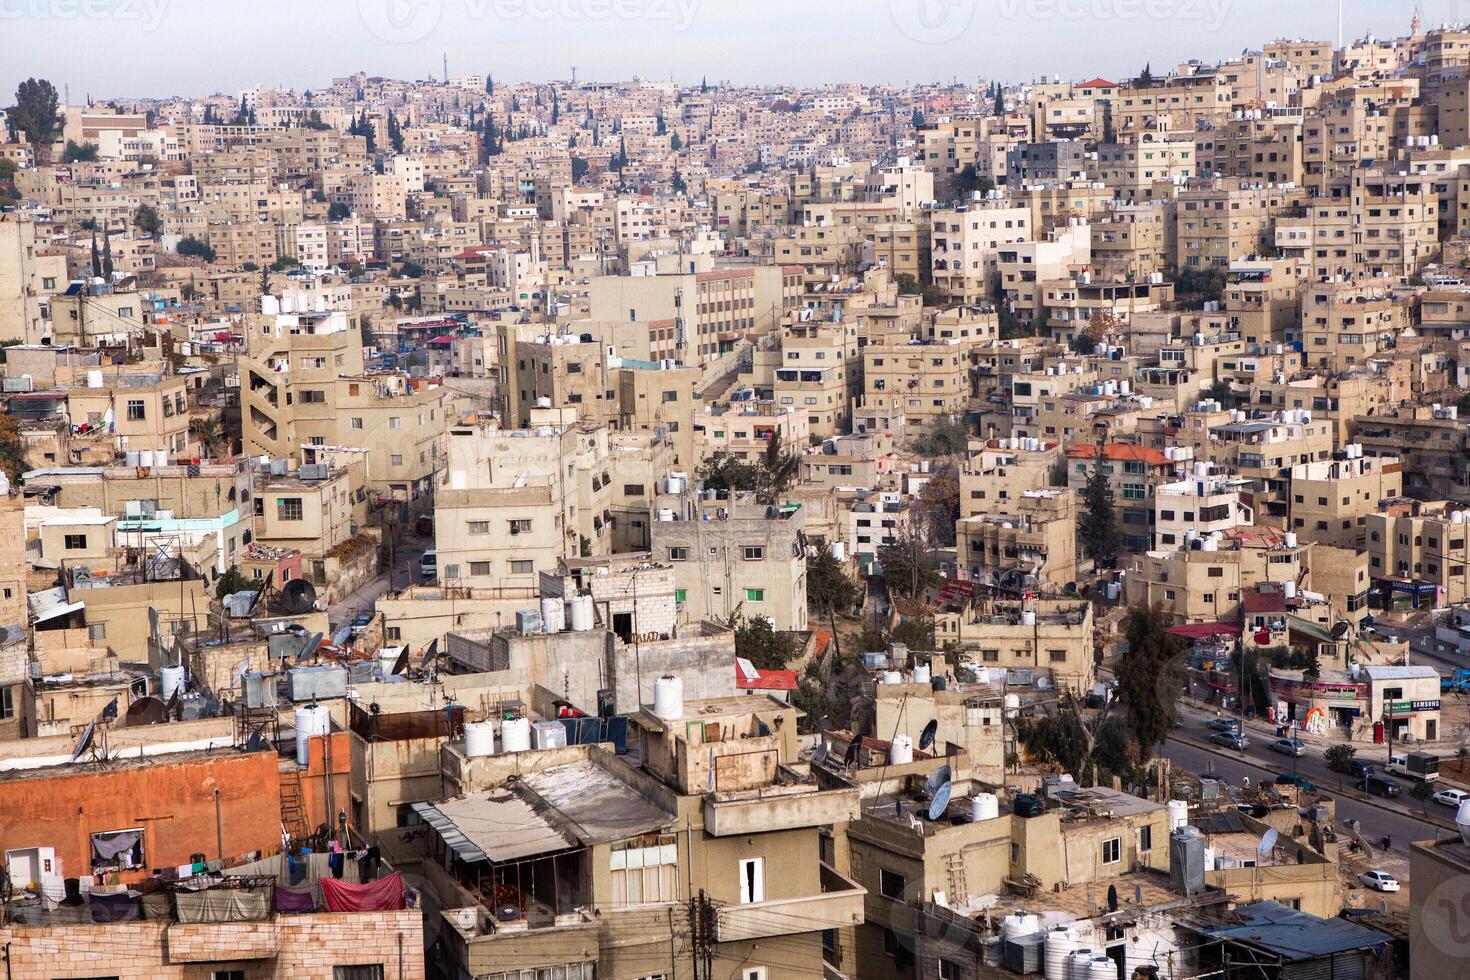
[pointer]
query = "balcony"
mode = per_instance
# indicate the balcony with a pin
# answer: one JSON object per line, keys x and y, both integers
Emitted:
{"x": 840, "y": 904}
{"x": 770, "y": 809}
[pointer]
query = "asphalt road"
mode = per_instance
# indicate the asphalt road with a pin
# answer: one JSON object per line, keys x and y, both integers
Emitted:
{"x": 406, "y": 572}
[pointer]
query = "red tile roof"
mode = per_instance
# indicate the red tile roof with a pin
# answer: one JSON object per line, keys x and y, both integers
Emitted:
{"x": 1264, "y": 602}
{"x": 766, "y": 680}
{"x": 1120, "y": 452}
{"x": 1098, "y": 83}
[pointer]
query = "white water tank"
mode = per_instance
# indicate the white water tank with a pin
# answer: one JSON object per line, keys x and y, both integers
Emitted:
{"x": 1060, "y": 944}
{"x": 901, "y": 751}
{"x": 1020, "y": 924}
{"x": 1028, "y": 618}
{"x": 94, "y": 379}
{"x": 553, "y": 614}
{"x": 1290, "y": 538}
{"x": 1178, "y": 814}
{"x": 311, "y": 720}
{"x": 921, "y": 674}
{"x": 1079, "y": 964}
{"x": 581, "y": 613}
{"x": 1289, "y": 588}
{"x": 515, "y": 735}
{"x": 675, "y": 483}
{"x": 479, "y": 739}
{"x": 1102, "y": 968}
{"x": 668, "y": 697}
{"x": 1012, "y": 705}
{"x": 170, "y": 682}
{"x": 892, "y": 677}
{"x": 984, "y": 806}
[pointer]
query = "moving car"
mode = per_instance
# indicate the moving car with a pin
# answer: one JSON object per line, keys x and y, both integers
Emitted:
{"x": 1288, "y": 746}
{"x": 1380, "y": 785}
{"x": 1379, "y": 881}
{"x": 1451, "y": 797}
{"x": 1223, "y": 724}
{"x": 1231, "y": 740}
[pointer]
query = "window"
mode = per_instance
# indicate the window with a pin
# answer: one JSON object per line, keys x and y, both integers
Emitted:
{"x": 7, "y": 702}
{"x": 395, "y": 460}
{"x": 681, "y": 595}
{"x": 645, "y": 870}
{"x": 520, "y": 526}
{"x": 136, "y": 410}
{"x": 948, "y": 971}
{"x": 75, "y": 542}
{"x": 313, "y": 397}
{"x": 753, "y": 973}
{"x": 891, "y": 884}
{"x": 366, "y": 971}
{"x": 1145, "y": 838}
{"x": 289, "y": 509}
{"x": 753, "y": 554}
{"x": 479, "y": 527}
{"x": 752, "y": 880}
{"x": 394, "y": 422}
{"x": 227, "y": 975}
{"x": 523, "y": 566}
{"x": 479, "y": 568}
{"x": 755, "y": 595}
{"x": 355, "y": 423}
{"x": 678, "y": 554}
{"x": 118, "y": 850}
{"x": 97, "y": 632}
{"x": 632, "y": 489}
{"x": 1112, "y": 850}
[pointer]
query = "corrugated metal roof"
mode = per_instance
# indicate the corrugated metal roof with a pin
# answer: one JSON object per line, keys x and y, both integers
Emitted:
{"x": 1293, "y": 935}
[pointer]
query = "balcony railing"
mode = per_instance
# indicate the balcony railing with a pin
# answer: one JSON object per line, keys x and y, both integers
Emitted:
{"x": 839, "y": 904}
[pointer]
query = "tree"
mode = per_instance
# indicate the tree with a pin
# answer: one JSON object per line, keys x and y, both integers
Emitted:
{"x": 1098, "y": 524}
{"x": 96, "y": 257}
{"x": 757, "y": 641}
{"x": 662, "y": 126}
{"x": 676, "y": 143}
{"x": 107, "y": 253}
{"x": 946, "y": 435}
{"x": 941, "y": 500}
{"x": 489, "y": 84}
{"x": 909, "y": 563}
{"x": 395, "y": 133}
{"x": 778, "y": 471}
{"x": 970, "y": 181}
{"x": 999, "y": 108}
{"x": 285, "y": 262}
{"x": 315, "y": 121}
{"x": 828, "y": 586}
{"x": 1146, "y": 77}
{"x": 579, "y": 168}
{"x": 410, "y": 269}
{"x": 1422, "y": 792}
{"x": 8, "y": 193}
{"x": 725, "y": 472}
{"x": 37, "y": 114}
{"x": 1150, "y": 675}
{"x": 146, "y": 220}
{"x": 210, "y": 434}
{"x": 917, "y": 119}
{"x": 1193, "y": 288}
{"x": 79, "y": 152}
{"x": 679, "y": 184}
{"x": 369, "y": 339}
{"x": 233, "y": 581}
{"x": 1339, "y": 757}
{"x": 338, "y": 212}
{"x": 193, "y": 248}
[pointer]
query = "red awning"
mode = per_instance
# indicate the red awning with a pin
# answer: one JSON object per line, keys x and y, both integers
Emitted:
{"x": 1203, "y": 631}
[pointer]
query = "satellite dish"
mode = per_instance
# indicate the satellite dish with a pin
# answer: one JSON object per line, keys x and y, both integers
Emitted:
{"x": 153, "y": 624}
{"x": 940, "y": 778}
{"x": 259, "y": 593}
{"x": 430, "y": 653}
{"x": 1340, "y": 629}
{"x": 85, "y": 742}
{"x": 401, "y": 664}
{"x": 941, "y": 800}
{"x": 1112, "y": 898}
{"x": 109, "y": 713}
{"x": 819, "y": 754}
{"x": 308, "y": 649}
{"x": 850, "y": 757}
{"x": 926, "y": 737}
{"x": 1268, "y": 841}
{"x": 298, "y": 596}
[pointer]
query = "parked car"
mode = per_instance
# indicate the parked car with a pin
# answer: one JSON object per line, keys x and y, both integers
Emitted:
{"x": 1451, "y": 797}
{"x": 429, "y": 566}
{"x": 1361, "y": 768}
{"x": 1231, "y": 740}
{"x": 1288, "y": 746}
{"x": 1300, "y": 782}
{"x": 1223, "y": 724}
{"x": 1380, "y": 785}
{"x": 1379, "y": 881}
{"x": 361, "y": 622}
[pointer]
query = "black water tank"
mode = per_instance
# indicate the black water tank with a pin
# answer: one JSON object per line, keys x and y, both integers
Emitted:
{"x": 1027, "y": 805}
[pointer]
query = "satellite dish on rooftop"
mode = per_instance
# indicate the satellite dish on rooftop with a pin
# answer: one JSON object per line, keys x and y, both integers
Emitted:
{"x": 401, "y": 664}
{"x": 298, "y": 596}
{"x": 430, "y": 653}
{"x": 941, "y": 800}
{"x": 260, "y": 593}
{"x": 941, "y": 777}
{"x": 85, "y": 742}
{"x": 1112, "y": 898}
{"x": 819, "y": 754}
{"x": 308, "y": 649}
{"x": 1268, "y": 841}
{"x": 1340, "y": 629}
{"x": 926, "y": 737}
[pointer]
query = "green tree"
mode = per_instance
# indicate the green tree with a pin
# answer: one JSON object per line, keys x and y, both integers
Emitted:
{"x": 778, "y": 471}
{"x": 579, "y": 169}
{"x": 96, "y": 257}
{"x": 999, "y": 107}
{"x": 410, "y": 269}
{"x": 758, "y": 641}
{"x": 338, "y": 211}
{"x": 285, "y": 262}
{"x": 146, "y": 220}
{"x": 79, "y": 152}
{"x": 233, "y": 581}
{"x": 945, "y": 435}
{"x": 8, "y": 170}
{"x": 37, "y": 114}
{"x": 1098, "y": 524}
{"x": 828, "y": 586}
{"x": 725, "y": 472}
{"x": 395, "y": 133}
{"x": 1150, "y": 675}
{"x": 910, "y": 565}
{"x": 917, "y": 119}
{"x": 679, "y": 184}
{"x": 1422, "y": 792}
{"x": 1339, "y": 756}
{"x": 676, "y": 143}
{"x": 1146, "y": 77}
{"x": 970, "y": 181}
{"x": 209, "y": 432}
{"x": 369, "y": 339}
{"x": 107, "y": 253}
{"x": 193, "y": 248}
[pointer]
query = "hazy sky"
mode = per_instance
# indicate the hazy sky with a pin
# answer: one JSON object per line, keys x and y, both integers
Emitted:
{"x": 194, "y": 47}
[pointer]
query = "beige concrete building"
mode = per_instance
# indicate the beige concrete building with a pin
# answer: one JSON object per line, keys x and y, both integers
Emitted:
{"x": 1044, "y": 638}
{"x": 1331, "y": 501}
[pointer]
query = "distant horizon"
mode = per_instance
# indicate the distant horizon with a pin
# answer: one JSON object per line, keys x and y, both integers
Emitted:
{"x": 196, "y": 48}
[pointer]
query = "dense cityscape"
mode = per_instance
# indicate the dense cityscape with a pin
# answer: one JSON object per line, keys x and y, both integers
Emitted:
{"x": 471, "y": 528}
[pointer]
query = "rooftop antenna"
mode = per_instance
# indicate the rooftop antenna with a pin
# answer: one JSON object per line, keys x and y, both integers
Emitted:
{"x": 1339, "y": 25}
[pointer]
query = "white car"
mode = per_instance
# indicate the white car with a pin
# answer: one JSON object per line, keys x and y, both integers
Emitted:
{"x": 1451, "y": 797}
{"x": 1379, "y": 881}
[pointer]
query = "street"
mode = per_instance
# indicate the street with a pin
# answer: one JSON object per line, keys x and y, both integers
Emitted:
{"x": 405, "y": 573}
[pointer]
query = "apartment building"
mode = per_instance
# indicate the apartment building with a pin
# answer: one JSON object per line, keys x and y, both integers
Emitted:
{"x": 1222, "y": 220}
{"x": 1418, "y": 550}
{"x": 922, "y": 381}
{"x": 22, "y": 282}
{"x": 1205, "y": 584}
{"x": 1134, "y": 473}
{"x": 1028, "y": 544}
{"x": 1050, "y": 638}
{"x": 732, "y": 556}
{"x": 1332, "y": 500}
{"x": 1373, "y": 223}
{"x": 1431, "y": 442}
{"x": 1347, "y": 323}
{"x": 964, "y": 245}
{"x": 1206, "y": 503}
{"x": 1264, "y": 449}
